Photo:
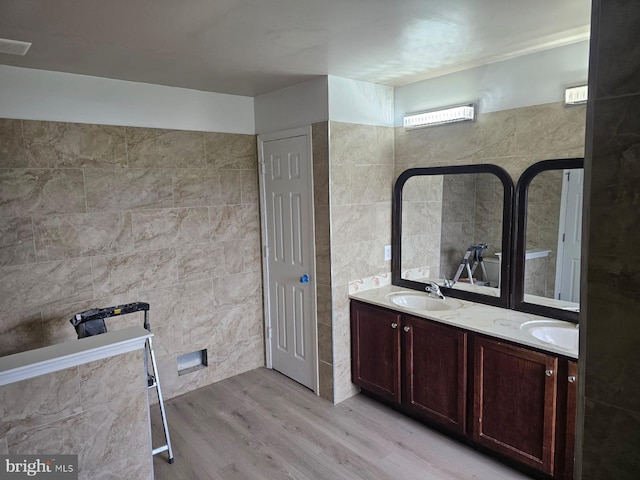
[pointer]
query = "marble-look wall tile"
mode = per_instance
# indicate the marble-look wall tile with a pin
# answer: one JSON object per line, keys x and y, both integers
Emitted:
{"x": 613, "y": 376}
{"x": 157, "y": 148}
{"x": 241, "y": 357}
{"x": 614, "y": 178}
{"x": 25, "y": 192}
{"x": 232, "y": 324}
{"x": 4, "y": 448}
{"x": 11, "y": 143}
{"x": 197, "y": 262}
{"x": 39, "y": 284}
{"x": 155, "y": 229}
{"x": 252, "y": 254}
{"x": 169, "y": 305}
{"x": 322, "y": 225}
{"x": 549, "y": 129}
{"x": 352, "y": 261}
{"x": 353, "y": 144}
{"x": 492, "y": 135}
{"x": 16, "y": 241}
{"x": 617, "y": 50}
{"x": 116, "y": 274}
{"x": 326, "y": 380}
{"x": 206, "y": 187}
{"x": 343, "y": 388}
{"x": 58, "y": 145}
{"x": 231, "y": 151}
{"x": 234, "y": 222}
{"x": 325, "y": 345}
{"x": 106, "y": 380}
{"x": 323, "y": 264}
{"x": 324, "y": 305}
{"x": 129, "y": 189}
{"x": 110, "y": 440}
{"x": 82, "y": 235}
{"x": 20, "y": 328}
{"x": 319, "y": 134}
{"x": 238, "y": 289}
{"x": 612, "y": 446}
{"x": 359, "y": 223}
{"x": 44, "y": 399}
{"x": 250, "y": 194}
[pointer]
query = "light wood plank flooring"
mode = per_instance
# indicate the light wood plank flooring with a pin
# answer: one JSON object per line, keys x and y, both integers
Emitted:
{"x": 262, "y": 425}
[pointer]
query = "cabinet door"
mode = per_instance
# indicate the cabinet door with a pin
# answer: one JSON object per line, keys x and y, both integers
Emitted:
{"x": 375, "y": 350}
{"x": 515, "y": 402}
{"x": 572, "y": 407}
{"x": 435, "y": 375}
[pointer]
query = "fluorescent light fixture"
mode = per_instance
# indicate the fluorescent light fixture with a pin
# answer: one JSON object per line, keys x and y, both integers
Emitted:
{"x": 442, "y": 116}
{"x": 575, "y": 95}
{"x": 13, "y": 47}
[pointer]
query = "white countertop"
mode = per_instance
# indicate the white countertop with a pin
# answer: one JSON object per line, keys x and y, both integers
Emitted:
{"x": 491, "y": 321}
{"x": 32, "y": 363}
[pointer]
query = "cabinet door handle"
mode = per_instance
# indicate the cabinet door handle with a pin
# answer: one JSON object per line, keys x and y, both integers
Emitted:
{"x": 572, "y": 379}
{"x": 406, "y": 329}
{"x": 394, "y": 325}
{"x": 548, "y": 373}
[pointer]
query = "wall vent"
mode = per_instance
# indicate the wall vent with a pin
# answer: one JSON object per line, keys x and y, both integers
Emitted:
{"x": 190, "y": 362}
{"x": 14, "y": 47}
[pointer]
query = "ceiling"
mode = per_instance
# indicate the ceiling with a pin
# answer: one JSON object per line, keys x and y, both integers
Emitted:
{"x": 250, "y": 47}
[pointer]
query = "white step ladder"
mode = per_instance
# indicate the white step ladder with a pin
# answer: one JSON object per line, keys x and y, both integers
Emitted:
{"x": 91, "y": 322}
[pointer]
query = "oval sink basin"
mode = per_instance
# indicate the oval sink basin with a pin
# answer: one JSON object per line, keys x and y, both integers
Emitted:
{"x": 424, "y": 302}
{"x": 560, "y": 334}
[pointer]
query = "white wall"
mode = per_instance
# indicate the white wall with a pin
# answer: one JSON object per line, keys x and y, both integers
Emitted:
{"x": 533, "y": 79}
{"x": 44, "y": 95}
{"x": 296, "y": 106}
{"x": 352, "y": 101}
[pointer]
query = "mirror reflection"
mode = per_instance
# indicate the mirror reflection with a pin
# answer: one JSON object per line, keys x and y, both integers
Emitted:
{"x": 553, "y": 228}
{"x": 451, "y": 228}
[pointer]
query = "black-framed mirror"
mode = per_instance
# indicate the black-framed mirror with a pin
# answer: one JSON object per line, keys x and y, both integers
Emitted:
{"x": 442, "y": 215}
{"x": 546, "y": 264}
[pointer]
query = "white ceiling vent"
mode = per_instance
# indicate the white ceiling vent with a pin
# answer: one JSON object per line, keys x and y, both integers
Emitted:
{"x": 14, "y": 47}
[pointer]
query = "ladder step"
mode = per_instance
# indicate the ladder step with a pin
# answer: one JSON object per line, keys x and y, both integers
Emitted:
{"x": 161, "y": 449}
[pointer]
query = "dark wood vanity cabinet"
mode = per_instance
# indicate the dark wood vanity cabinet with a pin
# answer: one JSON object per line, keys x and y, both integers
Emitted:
{"x": 517, "y": 402}
{"x": 411, "y": 361}
{"x": 435, "y": 372}
{"x": 375, "y": 350}
{"x": 515, "y": 391}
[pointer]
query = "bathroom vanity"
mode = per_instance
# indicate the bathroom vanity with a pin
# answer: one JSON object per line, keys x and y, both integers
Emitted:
{"x": 474, "y": 371}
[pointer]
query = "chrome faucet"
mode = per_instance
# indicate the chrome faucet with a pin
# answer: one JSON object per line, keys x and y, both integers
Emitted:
{"x": 432, "y": 288}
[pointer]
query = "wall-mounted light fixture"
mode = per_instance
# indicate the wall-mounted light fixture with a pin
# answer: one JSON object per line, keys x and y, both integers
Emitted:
{"x": 442, "y": 116}
{"x": 575, "y": 95}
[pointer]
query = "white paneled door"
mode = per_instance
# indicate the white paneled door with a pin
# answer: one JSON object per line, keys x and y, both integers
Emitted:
{"x": 568, "y": 262}
{"x": 289, "y": 253}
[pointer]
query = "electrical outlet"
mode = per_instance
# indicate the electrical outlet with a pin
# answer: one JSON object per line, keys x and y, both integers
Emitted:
{"x": 387, "y": 252}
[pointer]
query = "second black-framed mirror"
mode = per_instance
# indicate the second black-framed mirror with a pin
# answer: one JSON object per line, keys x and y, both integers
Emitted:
{"x": 546, "y": 264}
{"x": 452, "y": 225}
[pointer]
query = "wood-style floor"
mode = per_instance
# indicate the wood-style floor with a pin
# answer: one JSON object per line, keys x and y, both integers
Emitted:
{"x": 262, "y": 425}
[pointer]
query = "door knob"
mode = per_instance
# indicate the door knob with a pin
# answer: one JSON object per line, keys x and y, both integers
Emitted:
{"x": 548, "y": 373}
{"x": 304, "y": 278}
{"x": 572, "y": 379}
{"x": 406, "y": 329}
{"x": 394, "y": 325}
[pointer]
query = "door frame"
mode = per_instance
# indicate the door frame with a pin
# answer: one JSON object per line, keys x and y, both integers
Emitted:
{"x": 262, "y": 139}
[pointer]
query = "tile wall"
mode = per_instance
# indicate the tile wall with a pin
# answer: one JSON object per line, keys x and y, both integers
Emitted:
{"x": 95, "y": 215}
{"x": 610, "y": 350}
{"x": 360, "y": 184}
{"x": 74, "y": 411}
